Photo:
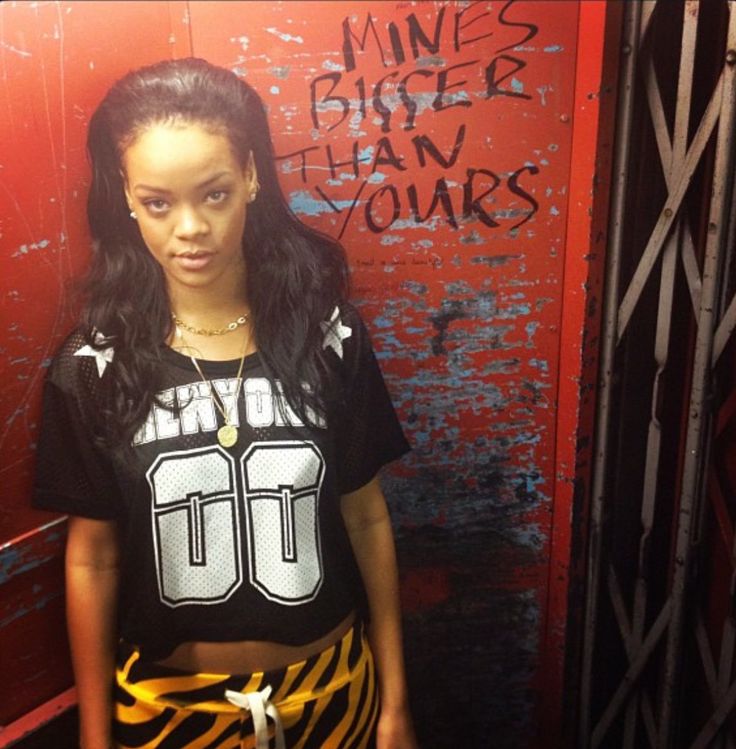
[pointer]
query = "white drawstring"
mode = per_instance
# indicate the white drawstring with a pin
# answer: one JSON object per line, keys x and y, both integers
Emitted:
{"x": 259, "y": 706}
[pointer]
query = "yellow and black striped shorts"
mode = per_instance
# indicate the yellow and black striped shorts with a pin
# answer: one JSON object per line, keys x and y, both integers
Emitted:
{"x": 328, "y": 701}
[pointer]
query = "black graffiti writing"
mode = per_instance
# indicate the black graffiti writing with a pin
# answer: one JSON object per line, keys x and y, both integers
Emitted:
{"x": 465, "y": 21}
{"x": 324, "y": 100}
{"x": 384, "y": 154}
{"x": 396, "y": 97}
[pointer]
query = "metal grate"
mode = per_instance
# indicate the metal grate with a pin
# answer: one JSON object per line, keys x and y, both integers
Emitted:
{"x": 660, "y": 635}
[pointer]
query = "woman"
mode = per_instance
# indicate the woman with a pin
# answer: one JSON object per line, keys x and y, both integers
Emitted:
{"x": 214, "y": 429}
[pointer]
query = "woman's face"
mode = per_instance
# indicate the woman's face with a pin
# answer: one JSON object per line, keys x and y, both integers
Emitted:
{"x": 190, "y": 195}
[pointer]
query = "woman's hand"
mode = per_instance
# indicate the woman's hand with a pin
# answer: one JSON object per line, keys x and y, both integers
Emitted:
{"x": 395, "y": 730}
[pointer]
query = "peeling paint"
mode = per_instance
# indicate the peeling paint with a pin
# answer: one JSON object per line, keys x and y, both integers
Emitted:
{"x": 24, "y": 249}
{"x": 285, "y": 37}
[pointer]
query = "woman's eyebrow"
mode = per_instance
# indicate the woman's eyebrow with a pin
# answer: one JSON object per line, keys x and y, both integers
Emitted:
{"x": 163, "y": 190}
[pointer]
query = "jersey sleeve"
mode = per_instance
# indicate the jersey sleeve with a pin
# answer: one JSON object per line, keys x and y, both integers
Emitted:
{"x": 369, "y": 434}
{"x": 74, "y": 475}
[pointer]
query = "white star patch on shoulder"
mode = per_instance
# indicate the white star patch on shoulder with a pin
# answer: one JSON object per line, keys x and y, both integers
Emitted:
{"x": 335, "y": 332}
{"x": 102, "y": 357}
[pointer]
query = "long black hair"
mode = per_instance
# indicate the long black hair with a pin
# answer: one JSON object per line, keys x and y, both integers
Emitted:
{"x": 296, "y": 275}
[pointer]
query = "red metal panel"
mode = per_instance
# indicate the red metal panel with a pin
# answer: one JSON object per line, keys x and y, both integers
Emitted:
{"x": 459, "y": 261}
{"x": 585, "y": 243}
{"x": 57, "y": 59}
{"x": 436, "y": 140}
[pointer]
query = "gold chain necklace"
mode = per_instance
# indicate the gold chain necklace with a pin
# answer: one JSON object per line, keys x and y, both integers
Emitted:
{"x": 234, "y": 325}
{"x": 227, "y": 434}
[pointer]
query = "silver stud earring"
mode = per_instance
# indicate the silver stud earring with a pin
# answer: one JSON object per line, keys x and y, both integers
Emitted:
{"x": 134, "y": 215}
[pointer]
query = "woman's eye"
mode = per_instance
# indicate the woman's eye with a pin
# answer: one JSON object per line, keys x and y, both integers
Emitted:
{"x": 217, "y": 196}
{"x": 156, "y": 205}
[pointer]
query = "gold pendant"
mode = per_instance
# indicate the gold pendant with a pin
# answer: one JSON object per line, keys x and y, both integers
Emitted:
{"x": 227, "y": 435}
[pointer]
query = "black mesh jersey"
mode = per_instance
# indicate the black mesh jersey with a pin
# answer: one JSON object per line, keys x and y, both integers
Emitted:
{"x": 219, "y": 544}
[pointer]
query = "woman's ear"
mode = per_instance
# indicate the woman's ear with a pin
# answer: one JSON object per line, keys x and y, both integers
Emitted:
{"x": 251, "y": 178}
{"x": 128, "y": 196}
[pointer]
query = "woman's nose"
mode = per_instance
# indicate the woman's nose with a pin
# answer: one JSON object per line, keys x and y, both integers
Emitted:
{"x": 190, "y": 223}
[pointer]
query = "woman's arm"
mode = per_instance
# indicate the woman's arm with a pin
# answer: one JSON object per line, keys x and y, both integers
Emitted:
{"x": 369, "y": 526}
{"x": 91, "y": 595}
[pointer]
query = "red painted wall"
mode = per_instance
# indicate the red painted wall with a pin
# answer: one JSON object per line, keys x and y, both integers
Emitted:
{"x": 437, "y": 140}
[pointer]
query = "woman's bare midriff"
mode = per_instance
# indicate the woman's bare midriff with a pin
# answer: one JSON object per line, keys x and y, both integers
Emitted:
{"x": 247, "y": 656}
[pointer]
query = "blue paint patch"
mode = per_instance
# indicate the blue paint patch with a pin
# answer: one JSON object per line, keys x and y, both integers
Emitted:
{"x": 531, "y": 329}
{"x": 388, "y": 239}
{"x": 366, "y": 154}
{"x": 39, "y": 603}
{"x": 458, "y": 288}
{"x": 388, "y": 341}
{"x": 331, "y": 65}
{"x": 554, "y": 48}
{"x": 275, "y": 90}
{"x": 302, "y": 202}
{"x": 473, "y": 238}
{"x": 376, "y": 178}
{"x": 554, "y": 211}
{"x": 517, "y": 86}
{"x": 13, "y": 563}
{"x": 382, "y": 322}
{"x": 430, "y": 225}
{"x": 424, "y": 243}
{"x": 539, "y": 364}
{"x": 414, "y": 287}
{"x": 515, "y": 310}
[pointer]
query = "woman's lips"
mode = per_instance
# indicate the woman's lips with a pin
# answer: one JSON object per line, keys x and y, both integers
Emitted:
{"x": 194, "y": 260}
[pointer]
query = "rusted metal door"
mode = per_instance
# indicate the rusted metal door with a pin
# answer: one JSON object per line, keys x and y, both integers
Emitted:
{"x": 658, "y": 664}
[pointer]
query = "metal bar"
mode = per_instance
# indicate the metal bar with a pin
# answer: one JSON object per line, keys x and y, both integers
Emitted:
{"x": 711, "y": 728}
{"x": 709, "y": 668}
{"x": 664, "y": 147}
{"x": 624, "y": 627}
{"x": 706, "y": 657}
{"x": 633, "y": 672}
{"x": 647, "y": 11}
{"x": 722, "y": 515}
{"x": 728, "y": 319}
{"x": 726, "y": 412}
{"x": 692, "y": 272}
{"x": 724, "y": 331}
{"x": 661, "y": 348}
{"x": 662, "y": 341}
{"x": 630, "y": 36}
{"x": 671, "y": 207}
{"x": 697, "y": 419}
{"x": 13, "y": 733}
